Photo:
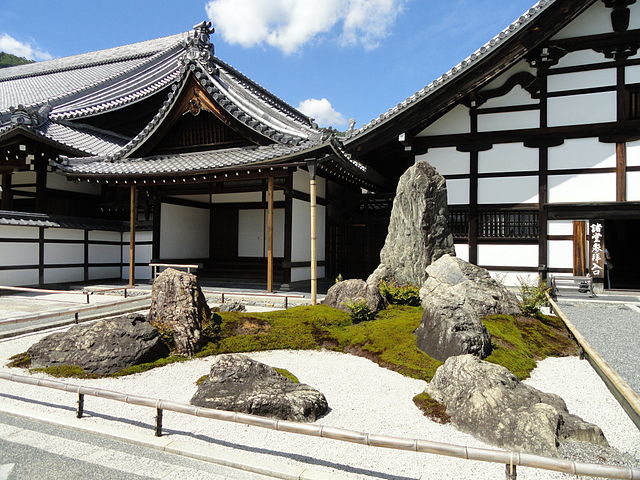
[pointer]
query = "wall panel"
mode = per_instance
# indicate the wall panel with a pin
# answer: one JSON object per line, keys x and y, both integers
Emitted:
{"x": 448, "y": 161}
{"x": 508, "y": 190}
{"x": 508, "y": 157}
{"x": 593, "y": 187}
{"x": 582, "y": 153}
{"x": 582, "y": 109}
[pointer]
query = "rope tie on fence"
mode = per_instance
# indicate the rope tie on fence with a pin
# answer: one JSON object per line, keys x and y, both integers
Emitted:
{"x": 322, "y": 432}
{"x": 511, "y": 463}
{"x": 573, "y": 468}
{"x": 415, "y": 445}
{"x": 368, "y": 442}
{"x": 197, "y": 413}
{"x": 466, "y": 453}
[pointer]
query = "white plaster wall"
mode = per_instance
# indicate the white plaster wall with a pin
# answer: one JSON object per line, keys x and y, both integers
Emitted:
{"x": 60, "y": 253}
{"x": 278, "y": 233}
{"x": 184, "y": 232}
{"x": 580, "y": 57}
{"x": 96, "y": 273}
{"x": 516, "y": 96}
{"x": 508, "y": 190}
{"x": 63, "y": 275}
{"x": 508, "y": 255}
{"x": 251, "y": 233}
{"x": 19, "y": 254}
{"x": 462, "y": 251}
{"x": 514, "y": 278}
{"x": 448, "y": 161}
{"x": 301, "y": 183}
{"x": 521, "y": 66}
{"x": 596, "y": 19}
{"x": 141, "y": 236}
{"x": 582, "y": 153}
{"x": 633, "y": 186}
{"x": 10, "y": 231}
{"x": 18, "y": 278}
{"x": 458, "y": 191}
{"x": 63, "y": 234}
{"x": 508, "y": 121}
{"x": 104, "y": 254}
{"x": 508, "y": 157}
{"x": 304, "y": 273}
{"x": 633, "y": 154}
{"x": 104, "y": 236}
{"x": 141, "y": 273}
{"x": 203, "y": 198}
{"x": 574, "y": 80}
{"x": 560, "y": 253}
{"x": 634, "y": 21}
{"x": 560, "y": 227}
{"x": 632, "y": 74}
{"x": 580, "y": 109}
{"x": 56, "y": 181}
{"x": 22, "y": 178}
{"x": 237, "y": 197}
{"x": 455, "y": 121}
{"x": 143, "y": 254}
{"x": 301, "y": 232}
{"x": 592, "y": 187}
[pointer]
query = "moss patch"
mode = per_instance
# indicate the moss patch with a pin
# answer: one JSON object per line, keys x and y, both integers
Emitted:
{"x": 65, "y": 371}
{"x": 518, "y": 342}
{"x": 20, "y": 360}
{"x": 143, "y": 367}
{"x": 287, "y": 374}
{"x": 431, "y": 408}
{"x": 201, "y": 380}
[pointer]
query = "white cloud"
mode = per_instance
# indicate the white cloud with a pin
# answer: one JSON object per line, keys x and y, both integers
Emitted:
{"x": 8, "y": 44}
{"x": 322, "y": 112}
{"x": 289, "y": 24}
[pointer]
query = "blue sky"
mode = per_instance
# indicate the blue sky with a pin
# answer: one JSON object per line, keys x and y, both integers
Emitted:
{"x": 362, "y": 56}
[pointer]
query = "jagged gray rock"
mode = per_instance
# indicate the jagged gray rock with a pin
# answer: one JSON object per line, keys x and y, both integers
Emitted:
{"x": 177, "y": 303}
{"x": 232, "y": 307}
{"x": 489, "y": 402}
{"x": 240, "y": 384}
{"x": 352, "y": 291}
{"x": 101, "y": 348}
{"x": 418, "y": 229}
{"x": 454, "y": 297}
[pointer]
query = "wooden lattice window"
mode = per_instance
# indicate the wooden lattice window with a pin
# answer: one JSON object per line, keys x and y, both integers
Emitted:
{"x": 634, "y": 104}
{"x": 459, "y": 224}
{"x": 508, "y": 224}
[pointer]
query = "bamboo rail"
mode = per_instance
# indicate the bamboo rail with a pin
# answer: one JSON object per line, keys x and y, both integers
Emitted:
{"x": 250, "y": 294}
{"x": 510, "y": 459}
{"x": 44, "y": 290}
{"x": 626, "y": 396}
{"x": 154, "y": 267}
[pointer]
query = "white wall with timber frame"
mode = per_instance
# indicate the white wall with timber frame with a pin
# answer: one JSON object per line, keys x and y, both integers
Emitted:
{"x": 584, "y": 166}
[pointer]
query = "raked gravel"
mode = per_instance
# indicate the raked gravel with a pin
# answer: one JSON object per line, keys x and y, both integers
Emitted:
{"x": 362, "y": 396}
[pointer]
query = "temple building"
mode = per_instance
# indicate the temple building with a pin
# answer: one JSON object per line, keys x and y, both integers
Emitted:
{"x": 537, "y": 134}
{"x": 163, "y": 150}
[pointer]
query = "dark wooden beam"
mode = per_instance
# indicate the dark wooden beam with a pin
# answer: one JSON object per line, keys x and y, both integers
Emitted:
{"x": 621, "y": 172}
{"x": 7, "y": 194}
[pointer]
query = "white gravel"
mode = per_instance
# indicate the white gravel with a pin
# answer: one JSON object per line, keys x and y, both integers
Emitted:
{"x": 362, "y": 396}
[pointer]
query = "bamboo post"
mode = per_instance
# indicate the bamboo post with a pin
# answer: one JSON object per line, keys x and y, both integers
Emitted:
{"x": 132, "y": 235}
{"x": 270, "y": 235}
{"x": 314, "y": 253}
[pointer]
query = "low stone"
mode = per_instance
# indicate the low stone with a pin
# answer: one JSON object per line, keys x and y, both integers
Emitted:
{"x": 178, "y": 304}
{"x": 489, "y": 402}
{"x": 418, "y": 228}
{"x": 101, "y": 348}
{"x": 455, "y": 297}
{"x": 354, "y": 291}
{"x": 239, "y": 384}
{"x": 232, "y": 307}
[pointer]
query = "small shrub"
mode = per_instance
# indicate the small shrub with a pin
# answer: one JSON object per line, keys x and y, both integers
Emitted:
{"x": 400, "y": 295}
{"x": 359, "y": 312}
{"x": 339, "y": 278}
{"x": 201, "y": 380}
{"x": 431, "y": 408}
{"x": 287, "y": 374}
{"x": 20, "y": 360}
{"x": 533, "y": 297}
{"x": 212, "y": 327}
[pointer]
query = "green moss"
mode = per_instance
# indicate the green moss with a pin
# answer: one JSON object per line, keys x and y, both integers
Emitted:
{"x": 65, "y": 371}
{"x": 287, "y": 374}
{"x": 20, "y": 360}
{"x": 518, "y": 342}
{"x": 431, "y": 408}
{"x": 201, "y": 380}
{"x": 143, "y": 367}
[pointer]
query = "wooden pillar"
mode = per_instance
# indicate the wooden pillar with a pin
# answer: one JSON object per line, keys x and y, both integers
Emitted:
{"x": 270, "y": 235}
{"x": 41, "y": 185}
{"x": 132, "y": 235}
{"x": 621, "y": 172}
{"x": 314, "y": 253}
{"x": 6, "y": 191}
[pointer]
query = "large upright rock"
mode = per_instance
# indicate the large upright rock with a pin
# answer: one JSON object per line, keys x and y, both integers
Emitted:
{"x": 103, "y": 347}
{"x": 240, "y": 384}
{"x": 489, "y": 402}
{"x": 352, "y": 291}
{"x": 177, "y": 304}
{"x": 418, "y": 229}
{"x": 454, "y": 297}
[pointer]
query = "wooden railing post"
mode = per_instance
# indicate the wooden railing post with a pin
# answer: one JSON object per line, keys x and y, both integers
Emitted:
{"x": 132, "y": 235}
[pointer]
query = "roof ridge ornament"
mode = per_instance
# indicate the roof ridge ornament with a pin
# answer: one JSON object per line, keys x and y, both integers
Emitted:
{"x": 198, "y": 46}
{"x": 32, "y": 116}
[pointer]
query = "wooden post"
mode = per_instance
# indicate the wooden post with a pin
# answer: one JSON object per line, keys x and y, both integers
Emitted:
{"x": 314, "y": 253}
{"x": 270, "y": 235}
{"x": 6, "y": 191}
{"x": 621, "y": 172}
{"x": 132, "y": 235}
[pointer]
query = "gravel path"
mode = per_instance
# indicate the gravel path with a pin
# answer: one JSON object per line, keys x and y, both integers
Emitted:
{"x": 613, "y": 329}
{"x": 362, "y": 396}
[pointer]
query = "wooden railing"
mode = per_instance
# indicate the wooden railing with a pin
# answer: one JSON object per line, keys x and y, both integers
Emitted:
{"x": 510, "y": 459}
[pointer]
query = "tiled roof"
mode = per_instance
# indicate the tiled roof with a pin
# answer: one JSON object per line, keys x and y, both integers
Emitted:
{"x": 82, "y": 138}
{"x": 456, "y": 71}
{"x": 24, "y": 219}
{"x": 183, "y": 163}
